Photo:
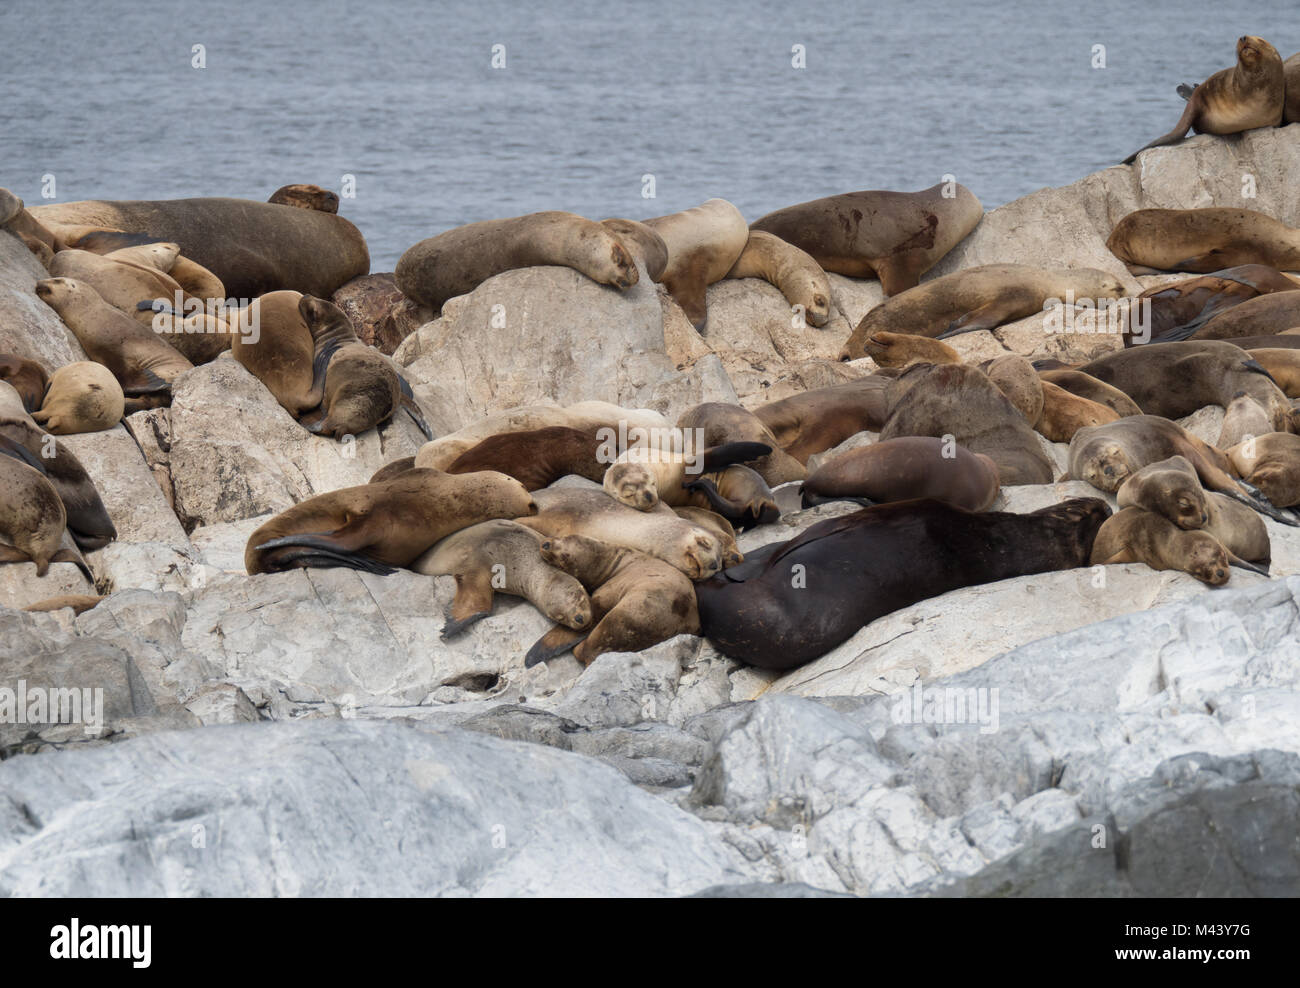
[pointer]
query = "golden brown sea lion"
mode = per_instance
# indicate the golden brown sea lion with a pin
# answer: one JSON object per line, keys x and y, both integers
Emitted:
{"x": 1246, "y": 96}
{"x": 1132, "y": 535}
{"x": 1016, "y": 378}
{"x": 643, "y": 477}
{"x": 1203, "y": 240}
{"x": 32, "y": 517}
{"x": 903, "y": 469}
{"x": 704, "y": 243}
{"x": 799, "y": 278}
{"x": 122, "y": 284}
{"x": 1065, "y": 413}
{"x": 82, "y": 397}
{"x": 643, "y": 243}
{"x": 1282, "y": 364}
{"x": 79, "y": 602}
{"x": 719, "y": 526}
{"x": 15, "y": 218}
{"x": 283, "y": 352}
{"x": 376, "y": 527}
{"x": 1087, "y": 386}
{"x": 458, "y": 261}
{"x": 893, "y": 236}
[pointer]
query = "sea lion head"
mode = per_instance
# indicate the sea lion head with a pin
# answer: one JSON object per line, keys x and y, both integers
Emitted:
{"x": 61, "y": 293}
{"x": 632, "y": 484}
{"x": 306, "y": 197}
{"x": 1207, "y": 560}
{"x": 1104, "y": 464}
{"x": 10, "y": 206}
{"x": 625, "y": 270}
{"x": 1253, "y": 51}
{"x": 326, "y": 321}
{"x": 903, "y": 350}
{"x": 702, "y": 555}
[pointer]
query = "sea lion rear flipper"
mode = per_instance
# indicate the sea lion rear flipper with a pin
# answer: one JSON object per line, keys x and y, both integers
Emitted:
{"x": 1237, "y": 561}
{"x": 1257, "y": 501}
{"x": 727, "y": 454}
{"x": 554, "y": 643}
{"x": 324, "y": 550}
{"x": 1258, "y": 368}
{"x": 1173, "y": 137}
{"x": 984, "y": 317}
{"x": 313, "y": 420}
{"x": 412, "y": 407}
{"x": 71, "y": 556}
{"x": 1185, "y": 91}
{"x": 473, "y": 602}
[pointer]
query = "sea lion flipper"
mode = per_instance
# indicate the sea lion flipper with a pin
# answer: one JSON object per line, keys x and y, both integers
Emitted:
{"x": 17, "y": 451}
{"x": 143, "y": 381}
{"x": 413, "y": 408}
{"x": 554, "y": 643}
{"x": 1173, "y": 137}
{"x": 8, "y": 554}
{"x": 1237, "y": 561}
{"x": 106, "y": 241}
{"x": 728, "y": 454}
{"x": 984, "y": 317}
{"x": 473, "y": 602}
{"x": 1185, "y": 91}
{"x": 717, "y": 502}
{"x": 74, "y": 557}
{"x": 323, "y": 550}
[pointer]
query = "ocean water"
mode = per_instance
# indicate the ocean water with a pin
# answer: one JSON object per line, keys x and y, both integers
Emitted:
{"x": 592, "y": 98}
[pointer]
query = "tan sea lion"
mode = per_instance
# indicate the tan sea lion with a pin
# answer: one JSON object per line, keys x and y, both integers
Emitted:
{"x": 645, "y": 476}
{"x": 143, "y": 364}
{"x": 458, "y": 261}
{"x": 502, "y": 555}
{"x": 903, "y": 469}
{"x": 1271, "y": 463}
{"x": 821, "y": 419}
{"x": 636, "y": 600}
{"x": 1132, "y": 535}
{"x": 1282, "y": 364}
{"x": 902, "y": 350}
{"x": 252, "y": 247}
{"x": 122, "y": 284}
{"x": 566, "y": 511}
{"x": 390, "y": 470}
{"x": 306, "y": 196}
{"x": 1265, "y": 315}
{"x": 1203, "y": 240}
{"x": 1179, "y": 310}
{"x": 643, "y": 243}
{"x": 720, "y": 423}
{"x": 27, "y": 377}
{"x": 32, "y": 517}
{"x": 718, "y": 526}
{"x": 537, "y": 458}
{"x": 1065, "y": 413}
{"x": 704, "y": 243}
{"x": 195, "y": 280}
{"x": 953, "y": 400}
{"x": 893, "y": 236}
{"x": 1245, "y": 417}
{"x": 377, "y": 527}
{"x": 283, "y": 353}
{"x": 1087, "y": 386}
{"x": 83, "y": 397}
{"x": 1016, "y": 378}
{"x": 978, "y": 298}
{"x": 799, "y": 278}
{"x": 1246, "y": 96}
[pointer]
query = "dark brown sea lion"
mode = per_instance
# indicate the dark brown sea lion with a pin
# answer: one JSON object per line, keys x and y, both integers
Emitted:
{"x": 1291, "y": 74}
{"x": 1203, "y": 240}
{"x": 903, "y": 470}
{"x": 704, "y": 243}
{"x": 793, "y": 601}
{"x": 27, "y": 377}
{"x": 821, "y": 419}
{"x": 893, "y": 236}
{"x": 636, "y": 600}
{"x": 377, "y": 527}
{"x": 738, "y": 494}
{"x": 87, "y": 518}
{"x": 953, "y": 400}
{"x": 537, "y": 458}
{"x": 1246, "y": 96}
{"x": 458, "y": 261}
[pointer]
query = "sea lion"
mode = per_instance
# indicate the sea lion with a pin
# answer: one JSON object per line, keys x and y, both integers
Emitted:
{"x": 1181, "y": 309}
{"x": 458, "y": 261}
{"x": 537, "y": 458}
{"x": 893, "y": 236}
{"x": 82, "y": 397}
{"x": 1282, "y": 364}
{"x": 902, "y": 350}
{"x": 645, "y": 476}
{"x": 1016, "y": 378}
{"x": 791, "y": 602}
{"x": 978, "y": 298}
{"x": 252, "y": 247}
{"x": 1245, "y": 417}
{"x": 1132, "y": 535}
{"x": 905, "y": 469}
{"x": 718, "y": 526}
{"x": 721, "y": 423}
{"x": 502, "y": 555}
{"x": 15, "y": 219}
{"x": 390, "y": 470}
{"x": 306, "y": 196}
{"x": 27, "y": 377}
{"x": 1291, "y": 88}
{"x": 377, "y": 527}
{"x": 1246, "y": 96}
{"x": 144, "y": 364}
{"x": 704, "y": 243}
{"x": 282, "y": 356}
{"x": 1087, "y": 386}
{"x": 1065, "y": 413}
{"x": 1176, "y": 379}
{"x": 644, "y": 244}
{"x": 957, "y": 401}
{"x": 798, "y": 277}
{"x": 122, "y": 284}
{"x": 738, "y": 494}
{"x": 1266, "y": 315}
{"x": 32, "y": 517}
{"x": 1203, "y": 240}
{"x": 636, "y": 600}
{"x": 1271, "y": 463}
{"x": 821, "y": 419}
{"x": 566, "y": 511}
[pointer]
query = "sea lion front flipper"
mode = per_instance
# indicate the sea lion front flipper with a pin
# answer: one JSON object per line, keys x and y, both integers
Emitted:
{"x": 8, "y": 554}
{"x": 1173, "y": 137}
{"x": 728, "y": 454}
{"x": 1185, "y": 91}
{"x": 74, "y": 557}
{"x": 473, "y": 602}
{"x": 688, "y": 290}
{"x": 810, "y": 500}
{"x": 17, "y": 451}
{"x": 142, "y": 382}
{"x": 1237, "y": 561}
{"x": 985, "y": 317}
{"x": 554, "y": 643}
{"x": 320, "y": 363}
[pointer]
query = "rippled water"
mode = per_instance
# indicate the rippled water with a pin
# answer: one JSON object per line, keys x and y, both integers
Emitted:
{"x": 593, "y": 96}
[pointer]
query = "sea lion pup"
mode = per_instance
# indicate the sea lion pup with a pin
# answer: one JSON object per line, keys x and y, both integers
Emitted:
{"x": 642, "y": 477}
{"x": 798, "y": 277}
{"x": 1132, "y": 535}
{"x": 1176, "y": 379}
{"x": 15, "y": 218}
{"x": 738, "y": 494}
{"x": 716, "y": 524}
{"x": 1266, "y": 315}
{"x": 704, "y": 243}
{"x": 821, "y": 419}
{"x": 79, "y": 602}
{"x": 905, "y": 469}
{"x": 643, "y": 243}
{"x": 306, "y": 197}
{"x": 1181, "y": 309}
{"x": 902, "y": 350}
{"x": 458, "y": 261}
{"x": 502, "y": 555}
{"x": 1203, "y": 241}
{"x": 855, "y": 569}
{"x": 1086, "y": 386}
{"x": 893, "y": 236}
{"x": 377, "y": 527}
{"x": 252, "y": 247}
{"x": 1270, "y": 463}
{"x": 537, "y": 458}
{"x": 722, "y": 423}
{"x": 82, "y": 397}
{"x": 1246, "y": 96}
{"x": 957, "y": 401}
{"x": 1065, "y": 413}
{"x": 566, "y": 511}
{"x": 1282, "y": 364}
{"x": 32, "y": 517}
{"x": 27, "y": 377}
{"x": 636, "y": 600}
{"x": 143, "y": 363}
{"x": 977, "y": 298}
